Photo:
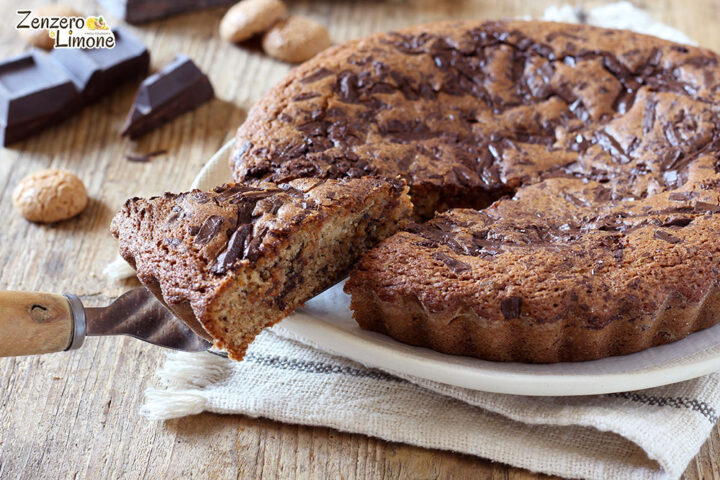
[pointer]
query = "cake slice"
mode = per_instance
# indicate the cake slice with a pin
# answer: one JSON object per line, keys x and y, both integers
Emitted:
{"x": 240, "y": 258}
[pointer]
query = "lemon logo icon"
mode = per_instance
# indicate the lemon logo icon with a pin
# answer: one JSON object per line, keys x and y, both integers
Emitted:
{"x": 100, "y": 24}
{"x": 96, "y": 23}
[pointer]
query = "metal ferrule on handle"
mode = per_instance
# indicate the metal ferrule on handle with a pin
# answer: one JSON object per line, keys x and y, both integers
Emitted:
{"x": 79, "y": 321}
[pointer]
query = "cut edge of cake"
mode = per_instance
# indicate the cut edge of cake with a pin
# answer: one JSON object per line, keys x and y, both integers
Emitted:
{"x": 294, "y": 261}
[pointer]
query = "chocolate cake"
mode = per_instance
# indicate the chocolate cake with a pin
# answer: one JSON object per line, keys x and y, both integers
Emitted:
{"x": 578, "y": 169}
{"x": 235, "y": 260}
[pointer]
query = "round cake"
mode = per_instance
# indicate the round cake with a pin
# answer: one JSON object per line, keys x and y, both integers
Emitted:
{"x": 576, "y": 169}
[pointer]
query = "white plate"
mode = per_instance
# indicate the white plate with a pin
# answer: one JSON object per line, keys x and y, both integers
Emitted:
{"x": 326, "y": 322}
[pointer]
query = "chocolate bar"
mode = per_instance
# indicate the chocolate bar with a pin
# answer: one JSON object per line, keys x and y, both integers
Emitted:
{"x": 38, "y": 90}
{"x": 34, "y": 93}
{"x": 96, "y": 71}
{"x": 177, "y": 88}
{"x": 141, "y": 11}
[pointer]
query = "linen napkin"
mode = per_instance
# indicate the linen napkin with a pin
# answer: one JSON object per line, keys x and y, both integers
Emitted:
{"x": 649, "y": 434}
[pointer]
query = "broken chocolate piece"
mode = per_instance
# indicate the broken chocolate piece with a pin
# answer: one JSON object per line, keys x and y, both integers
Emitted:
{"x": 668, "y": 237}
{"x": 707, "y": 207}
{"x": 236, "y": 246}
{"x": 145, "y": 157}
{"x": 453, "y": 264}
{"x": 209, "y": 229}
{"x": 38, "y": 90}
{"x": 97, "y": 71}
{"x": 681, "y": 196}
{"x": 176, "y": 89}
{"x": 141, "y": 11}
{"x": 34, "y": 94}
{"x": 510, "y": 307}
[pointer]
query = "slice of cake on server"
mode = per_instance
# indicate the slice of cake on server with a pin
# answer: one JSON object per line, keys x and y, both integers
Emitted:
{"x": 240, "y": 258}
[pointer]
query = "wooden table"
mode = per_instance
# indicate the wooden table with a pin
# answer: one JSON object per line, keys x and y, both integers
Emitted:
{"x": 75, "y": 415}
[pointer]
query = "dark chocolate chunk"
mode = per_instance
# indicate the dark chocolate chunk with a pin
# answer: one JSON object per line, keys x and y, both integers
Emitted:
{"x": 245, "y": 210}
{"x": 305, "y": 96}
{"x": 252, "y": 251}
{"x": 97, "y": 71}
{"x": 142, "y": 11}
{"x": 38, "y": 90}
{"x": 452, "y": 263}
{"x": 510, "y": 307}
{"x": 612, "y": 146}
{"x": 209, "y": 229}
{"x": 35, "y": 93}
{"x": 244, "y": 147}
{"x": 575, "y": 200}
{"x": 649, "y": 116}
{"x": 667, "y": 237}
{"x": 145, "y": 157}
{"x": 317, "y": 75}
{"x": 178, "y": 88}
{"x": 260, "y": 194}
{"x": 200, "y": 197}
{"x": 235, "y": 248}
{"x": 707, "y": 207}
{"x": 680, "y": 196}
{"x": 678, "y": 222}
{"x": 291, "y": 280}
{"x": 226, "y": 192}
{"x": 275, "y": 204}
{"x": 175, "y": 213}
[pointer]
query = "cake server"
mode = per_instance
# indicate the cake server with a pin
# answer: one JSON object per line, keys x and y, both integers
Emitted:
{"x": 33, "y": 323}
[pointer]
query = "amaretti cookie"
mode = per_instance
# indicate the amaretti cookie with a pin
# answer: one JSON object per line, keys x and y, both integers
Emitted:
{"x": 240, "y": 258}
{"x": 600, "y": 147}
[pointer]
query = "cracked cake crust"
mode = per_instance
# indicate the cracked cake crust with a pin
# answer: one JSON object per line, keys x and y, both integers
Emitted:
{"x": 594, "y": 153}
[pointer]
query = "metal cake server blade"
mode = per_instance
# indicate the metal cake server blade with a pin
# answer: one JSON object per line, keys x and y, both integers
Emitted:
{"x": 139, "y": 314}
{"x": 32, "y": 323}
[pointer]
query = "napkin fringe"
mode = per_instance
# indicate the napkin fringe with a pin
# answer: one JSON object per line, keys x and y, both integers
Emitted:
{"x": 185, "y": 370}
{"x": 118, "y": 270}
{"x": 184, "y": 375}
{"x": 168, "y": 404}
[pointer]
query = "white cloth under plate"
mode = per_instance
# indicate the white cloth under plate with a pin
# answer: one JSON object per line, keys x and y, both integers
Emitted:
{"x": 650, "y": 434}
{"x": 644, "y": 434}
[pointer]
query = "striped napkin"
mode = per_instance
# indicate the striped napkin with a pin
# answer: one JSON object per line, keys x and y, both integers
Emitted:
{"x": 649, "y": 434}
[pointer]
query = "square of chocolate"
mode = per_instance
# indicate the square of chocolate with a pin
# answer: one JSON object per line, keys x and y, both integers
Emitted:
{"x": 141, "y": 11}
{"x": 96, "y": 71}
{"x": 34, "y": 93}
{"x": 179, "y": 87}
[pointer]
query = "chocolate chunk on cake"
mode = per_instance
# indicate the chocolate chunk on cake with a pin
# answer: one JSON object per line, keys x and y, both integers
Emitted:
{"x": 241, "y": 258}
{"x": 594, "y": 153}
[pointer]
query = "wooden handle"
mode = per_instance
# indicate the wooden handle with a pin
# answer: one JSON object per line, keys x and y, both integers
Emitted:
{"x": 32, "y": 323}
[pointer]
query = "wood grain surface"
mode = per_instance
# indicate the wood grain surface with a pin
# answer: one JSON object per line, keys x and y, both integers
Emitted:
{"x": 75, "y": 415}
